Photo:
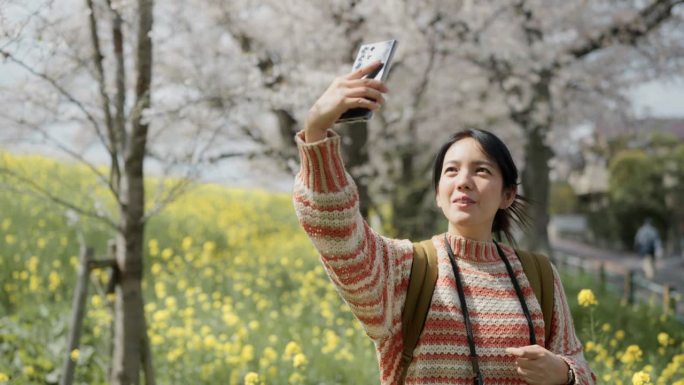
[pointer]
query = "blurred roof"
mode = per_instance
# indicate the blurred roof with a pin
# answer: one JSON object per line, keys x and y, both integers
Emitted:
{"x": 608, "y": 128}
{"x": 591, "y": 180}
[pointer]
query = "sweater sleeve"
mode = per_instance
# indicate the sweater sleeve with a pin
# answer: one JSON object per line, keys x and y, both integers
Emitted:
{"x": 564, "y": 341}
{"x": 370, "y": 272}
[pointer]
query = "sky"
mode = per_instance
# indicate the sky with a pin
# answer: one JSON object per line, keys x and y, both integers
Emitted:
{"x": 659, "y": 99}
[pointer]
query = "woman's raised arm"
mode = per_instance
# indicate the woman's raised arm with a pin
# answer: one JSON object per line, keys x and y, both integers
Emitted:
{"x": 370, "y": 271}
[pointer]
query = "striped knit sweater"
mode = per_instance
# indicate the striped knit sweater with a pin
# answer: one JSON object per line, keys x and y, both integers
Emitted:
{"x": 371, "y": 272}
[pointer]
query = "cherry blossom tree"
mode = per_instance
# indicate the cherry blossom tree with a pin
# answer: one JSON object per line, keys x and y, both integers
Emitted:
{"x": 528, "y": 70}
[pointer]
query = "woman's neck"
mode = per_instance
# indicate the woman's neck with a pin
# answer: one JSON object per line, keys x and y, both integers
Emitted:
{"x": 479, "y": 235}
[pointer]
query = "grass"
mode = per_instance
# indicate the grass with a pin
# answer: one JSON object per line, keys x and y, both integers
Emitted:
{"x": 235, "y": 294}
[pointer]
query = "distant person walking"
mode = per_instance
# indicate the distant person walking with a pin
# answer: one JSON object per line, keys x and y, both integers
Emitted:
{"x": 646, "y": 241}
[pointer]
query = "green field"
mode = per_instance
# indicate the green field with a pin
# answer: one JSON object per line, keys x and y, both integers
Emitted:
{"x": 235, "y": 294}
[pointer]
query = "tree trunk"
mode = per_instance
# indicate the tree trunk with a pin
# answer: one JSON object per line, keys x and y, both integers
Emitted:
{"x": 410, "y": 218}
{"x": 355, "y": 150}
{"x": 535, "y": 181}
{"x": 129, "y": 319}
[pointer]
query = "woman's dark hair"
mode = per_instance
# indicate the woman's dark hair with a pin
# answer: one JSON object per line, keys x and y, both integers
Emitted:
{"x": 497, "y": 151}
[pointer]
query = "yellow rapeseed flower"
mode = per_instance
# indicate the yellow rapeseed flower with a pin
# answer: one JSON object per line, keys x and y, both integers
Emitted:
{"x": 332, "y": 340}
{"x": 75, "y": 354}
{"x": 632, "y": 354}
{"x": 160, "y": 289}
{"x": 344, "y": 355}
{"x": 166, "y": 254}
{"x": 153, "y": 245}
{"x": 641, "y": 378}
{"x": 251, "y": 378}
{"x": 210, "y": 342}
{"x": 208, "y": 247}
{"x": 247, "y": 353}
{"x": 186, "y": 244}
{"x": 32, "y": 264}
{"x": 230, "y": 319}
{"x": 171, "y": 303}
{"x": 156, "y": 268}
{"x": 295, "y": 378}
{"x": 291, "y": 349}
{"x": 620, "y": 334}
{"x": 54, "y": 280}
{"x": 586, "y": 298}
{"x": 663, "y": 339}
{"x": 173, "y": 355}
{"x": 34, "y": 284}
{"x": 4, "y": 377}
{"x": 254, "y": 325}
{"x": 157, "y": 339}
{"x": 270, "y": 354}
{"x": 28, "y": 370}
{"x": 299, "y": 360}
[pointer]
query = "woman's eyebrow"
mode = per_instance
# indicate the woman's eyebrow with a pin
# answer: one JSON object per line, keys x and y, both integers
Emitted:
{"x": 477, "y": 162}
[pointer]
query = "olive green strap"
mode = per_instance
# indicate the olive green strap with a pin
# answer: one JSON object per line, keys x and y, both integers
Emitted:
{"x": 539, "y": 272}
{"x": 418, "y": 297}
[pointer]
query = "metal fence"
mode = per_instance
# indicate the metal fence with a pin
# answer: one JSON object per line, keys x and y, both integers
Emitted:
{"x": 632, "y": 287}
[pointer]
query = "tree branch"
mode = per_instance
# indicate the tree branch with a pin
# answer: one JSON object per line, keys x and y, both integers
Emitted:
{"x": 176, "y": 190}
{"x": 628, "y": 33}
{"x": 138, "y": 140}
{"x": 111, "y": 145}
{"x": 41, "y": 192}
{"x": 100, "y": 177}
{"x": 120, "y": 101}
{"x": 59, "y": 89}
{"x": 230, "y": 154}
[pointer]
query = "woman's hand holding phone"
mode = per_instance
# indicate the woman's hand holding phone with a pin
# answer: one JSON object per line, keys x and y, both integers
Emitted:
{"x": 346, "y": 92}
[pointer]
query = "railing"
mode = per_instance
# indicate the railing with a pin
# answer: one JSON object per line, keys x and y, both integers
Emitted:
{"x": 632, "y": 286}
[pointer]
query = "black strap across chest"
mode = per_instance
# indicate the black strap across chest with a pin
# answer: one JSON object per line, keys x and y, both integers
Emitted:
{"x": 466, "y": 317}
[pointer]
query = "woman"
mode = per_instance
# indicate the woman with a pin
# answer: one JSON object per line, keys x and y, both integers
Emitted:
{"x": 475, "y": 182}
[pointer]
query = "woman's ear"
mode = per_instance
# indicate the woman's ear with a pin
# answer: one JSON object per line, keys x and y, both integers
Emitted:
{"x": 509, "y": 195}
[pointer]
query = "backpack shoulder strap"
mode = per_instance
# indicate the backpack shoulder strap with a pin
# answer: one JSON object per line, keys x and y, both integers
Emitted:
{"x": 418, "y": 297}
{"x": 537, "y": 268}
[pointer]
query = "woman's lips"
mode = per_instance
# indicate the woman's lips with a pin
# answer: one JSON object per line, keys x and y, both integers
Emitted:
{"x": 463, "y": 201}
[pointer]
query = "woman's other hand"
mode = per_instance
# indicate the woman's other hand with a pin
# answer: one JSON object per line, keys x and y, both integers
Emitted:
{"x": 538, "y": 366}
{"x": 345, "y": 92}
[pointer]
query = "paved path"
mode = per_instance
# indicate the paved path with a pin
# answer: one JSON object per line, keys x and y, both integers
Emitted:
{"x": 668, "y": 270}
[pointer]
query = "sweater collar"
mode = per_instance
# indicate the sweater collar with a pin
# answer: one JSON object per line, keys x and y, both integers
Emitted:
{"x": 471, "y": 250}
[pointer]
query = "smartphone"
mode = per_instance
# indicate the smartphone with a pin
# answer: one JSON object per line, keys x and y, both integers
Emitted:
{"x": 383, "y": 51}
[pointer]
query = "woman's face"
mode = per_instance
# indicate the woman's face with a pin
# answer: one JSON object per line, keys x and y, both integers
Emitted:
{"x": 471, "y": 190}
